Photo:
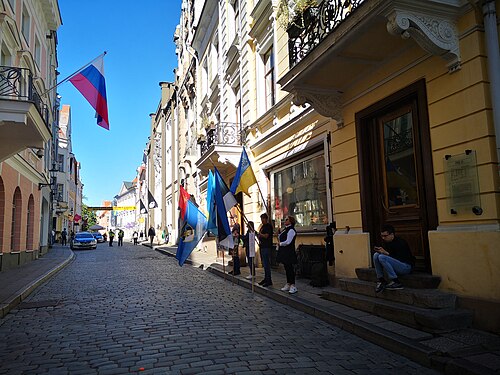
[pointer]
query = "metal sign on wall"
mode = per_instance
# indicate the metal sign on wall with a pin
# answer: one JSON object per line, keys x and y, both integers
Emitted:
{"x": 462, "y": 183}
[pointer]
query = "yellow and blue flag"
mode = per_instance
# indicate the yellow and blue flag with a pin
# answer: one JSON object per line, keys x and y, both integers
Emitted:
{"x": 244, "y": 177}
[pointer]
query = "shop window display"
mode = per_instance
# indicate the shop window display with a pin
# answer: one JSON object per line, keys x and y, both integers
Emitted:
{"x": 300, "y": 190}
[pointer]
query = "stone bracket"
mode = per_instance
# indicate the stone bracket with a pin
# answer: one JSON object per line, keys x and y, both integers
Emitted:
{"x": 437, "y": 35}
{"x": 326, "y": 102}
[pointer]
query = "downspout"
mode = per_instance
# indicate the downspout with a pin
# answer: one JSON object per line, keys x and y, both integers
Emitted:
{"x": 492, "y": 47}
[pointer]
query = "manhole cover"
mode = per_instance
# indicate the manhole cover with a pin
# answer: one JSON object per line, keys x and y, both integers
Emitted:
{"x": 38, "y": 304}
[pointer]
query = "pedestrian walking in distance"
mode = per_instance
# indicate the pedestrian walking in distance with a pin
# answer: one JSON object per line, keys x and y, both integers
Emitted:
{"x": 64, "y": 237}
{"x": 120, "y": 237}
{"x": 111, "y": 237}
{"x": 135, "y": 236}
{"x": 151, "y": 235}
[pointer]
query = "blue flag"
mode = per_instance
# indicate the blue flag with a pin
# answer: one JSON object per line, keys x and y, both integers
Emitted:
{"x": 211, "y": 209}
{"x": 223, "y": 206}
{"x": 193, "y": 230}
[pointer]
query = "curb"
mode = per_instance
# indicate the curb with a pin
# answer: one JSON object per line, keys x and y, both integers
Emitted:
{"x": 23, "y": 293}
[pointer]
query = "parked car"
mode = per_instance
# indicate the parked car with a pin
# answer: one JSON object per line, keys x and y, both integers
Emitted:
{"x": 98, "y": 236}
{"x": 83, "y": 240}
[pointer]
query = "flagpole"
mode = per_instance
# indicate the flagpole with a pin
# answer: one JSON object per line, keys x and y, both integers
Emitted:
{"x": 73, "y": 74}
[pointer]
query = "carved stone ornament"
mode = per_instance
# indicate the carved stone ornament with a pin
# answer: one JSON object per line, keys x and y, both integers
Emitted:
{"x": 436, "y": 35}
{"x": 326, "y": 102}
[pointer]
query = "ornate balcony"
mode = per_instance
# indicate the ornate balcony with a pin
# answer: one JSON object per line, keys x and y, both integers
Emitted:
{"x": 315, "y": 24}
{"x": 24, "y": 118}
{"x": 341, "y": 42}
{"x": 221, "y": 144}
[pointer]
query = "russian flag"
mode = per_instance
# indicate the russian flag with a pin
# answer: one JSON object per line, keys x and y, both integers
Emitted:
{"x": 91, "y": 83}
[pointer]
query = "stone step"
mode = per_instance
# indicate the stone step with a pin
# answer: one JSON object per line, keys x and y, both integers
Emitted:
{"x": 414, "y": 280}
{"x": 428, "y": 320}
{"x": 426, "y": 298}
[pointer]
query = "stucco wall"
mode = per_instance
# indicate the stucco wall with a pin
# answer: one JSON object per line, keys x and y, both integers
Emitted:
{"x": 468, "y": 262}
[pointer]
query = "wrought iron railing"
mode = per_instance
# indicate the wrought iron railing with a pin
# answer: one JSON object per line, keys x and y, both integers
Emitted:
{"x": 315, "y": 24}
{"x": 17, "y": 84}
{"x": 222, "y": 134}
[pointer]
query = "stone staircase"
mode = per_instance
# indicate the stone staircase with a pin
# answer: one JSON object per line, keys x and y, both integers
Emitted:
{"x": 420, "y": 305}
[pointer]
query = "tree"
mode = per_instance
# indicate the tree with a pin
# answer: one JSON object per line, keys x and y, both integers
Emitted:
{"x": 89, "y": 217}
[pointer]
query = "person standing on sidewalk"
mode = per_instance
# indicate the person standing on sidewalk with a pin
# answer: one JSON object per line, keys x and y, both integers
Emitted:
{"x": 111, "y": 237}
{"x": 64, "y": 237}
{"x": 135, "y": 236}
{"x": 151, "y": 235}
{"x": 249, "y": 245}
{"x": 287, "y": 255}
{"x": 120, "y": 237}
{"x": 265, "y": 237}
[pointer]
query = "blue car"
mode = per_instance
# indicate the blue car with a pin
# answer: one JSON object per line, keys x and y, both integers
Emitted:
{"x": 98, "y": 236}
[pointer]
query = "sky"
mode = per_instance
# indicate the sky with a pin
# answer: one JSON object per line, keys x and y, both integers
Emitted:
{"x": 138, "y": 38}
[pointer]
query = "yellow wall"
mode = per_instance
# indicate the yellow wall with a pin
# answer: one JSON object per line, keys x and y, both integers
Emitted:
{"x": 351, "y": 251}
{"x": 468, "y": 262}
{"x": 460, "y": 118}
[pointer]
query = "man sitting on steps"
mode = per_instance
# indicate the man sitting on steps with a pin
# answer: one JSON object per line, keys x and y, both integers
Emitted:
{"x": 394, "y": 258}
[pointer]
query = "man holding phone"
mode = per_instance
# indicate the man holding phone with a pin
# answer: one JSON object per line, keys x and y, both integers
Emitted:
{"x": 393, "y": 258}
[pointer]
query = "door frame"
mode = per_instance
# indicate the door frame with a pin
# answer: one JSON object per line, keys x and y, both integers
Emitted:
{"x": 365, "y": 130}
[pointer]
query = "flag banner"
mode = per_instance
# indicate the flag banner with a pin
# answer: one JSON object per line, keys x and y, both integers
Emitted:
{"x": 211, "y": 209}
{"x": 184, "y": 197}
{"x": 251, "y": 244}
{"x": 224, "y": 232}
{"x": 92, "y": 85}
{"x": 151, "y": 201}
{"x": 145, "y": 157}
{"x": 142, "y": 209}
{"x": 229, "y": 199}
{"x": 244, "y": 177}
{"x": 193, "y": 230}
{"x": 77, "y": 218}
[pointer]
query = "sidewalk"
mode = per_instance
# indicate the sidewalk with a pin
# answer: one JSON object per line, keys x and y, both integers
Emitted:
{"x": 17, "y": 284}
{"x": 467, "y": 351}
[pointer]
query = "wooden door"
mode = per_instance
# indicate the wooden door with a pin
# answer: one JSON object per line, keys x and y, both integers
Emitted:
{"x": 397, "y": 182}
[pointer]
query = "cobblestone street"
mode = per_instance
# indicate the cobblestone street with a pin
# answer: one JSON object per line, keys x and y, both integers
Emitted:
{"x": 134, "y": 310}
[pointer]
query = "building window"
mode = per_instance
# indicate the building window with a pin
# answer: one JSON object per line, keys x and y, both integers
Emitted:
{"x": 270, "y": 84}
{"x": 299, "y": 190}
{"x": 30, "y": 221}
{"x": 60, "y": 193}
{"x": 5, "y": 56}
{"x": 15, "y": 233}
{"x": 38, "y": 53}
{"x": 60, "y": 160}
{"x": 25, "y": 25}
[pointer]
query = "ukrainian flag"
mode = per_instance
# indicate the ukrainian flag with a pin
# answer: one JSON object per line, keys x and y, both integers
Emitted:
{"x": 244, "y": 177}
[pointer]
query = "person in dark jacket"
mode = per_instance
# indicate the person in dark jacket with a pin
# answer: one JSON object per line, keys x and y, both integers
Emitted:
{"x": 111, "y": 237}
{"x": 151, "y": 235}
{"x": 394, "y": 258}
{"x": 287, "y": 255}
{"x": 265, "y": 237}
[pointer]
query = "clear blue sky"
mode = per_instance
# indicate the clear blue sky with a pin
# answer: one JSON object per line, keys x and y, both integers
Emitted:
{"x": 138, "y": 37}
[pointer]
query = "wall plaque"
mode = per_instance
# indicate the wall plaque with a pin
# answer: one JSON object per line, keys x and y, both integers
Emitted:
{"x": 462, "y": 183}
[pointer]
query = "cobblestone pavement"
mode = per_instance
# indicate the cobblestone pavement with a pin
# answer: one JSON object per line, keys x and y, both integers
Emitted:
{"x": 133, "y": 310}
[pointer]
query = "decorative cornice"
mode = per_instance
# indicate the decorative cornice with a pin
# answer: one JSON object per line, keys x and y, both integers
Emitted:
{"x": 327, "y": 103}
{"x": 437, "y": 35}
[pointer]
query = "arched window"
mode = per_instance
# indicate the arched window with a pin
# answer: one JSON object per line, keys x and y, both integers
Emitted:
{"x": 15, "y": 233}
{"x": 30, "y": 220}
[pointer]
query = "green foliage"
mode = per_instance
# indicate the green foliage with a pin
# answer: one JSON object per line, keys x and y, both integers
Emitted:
{"x": 290, "y": 12}
{"x": 89, "y": 216}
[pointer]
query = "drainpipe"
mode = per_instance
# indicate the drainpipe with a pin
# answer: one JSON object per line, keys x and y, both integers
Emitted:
{"x": 492, "y": 47}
